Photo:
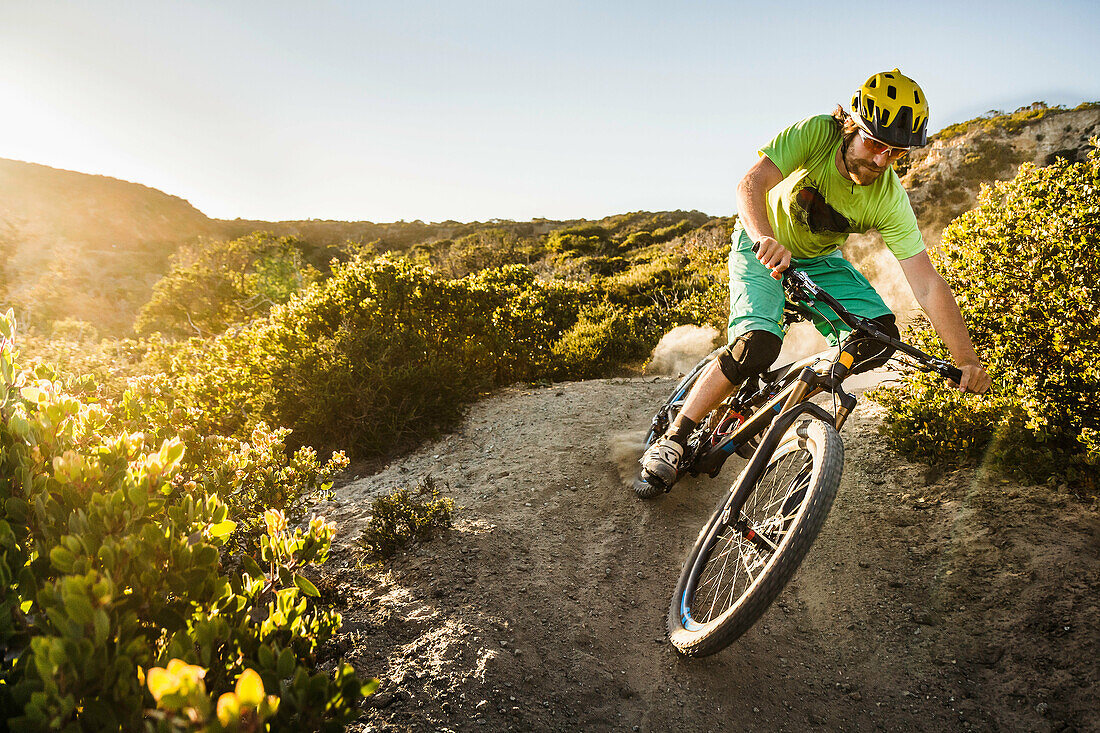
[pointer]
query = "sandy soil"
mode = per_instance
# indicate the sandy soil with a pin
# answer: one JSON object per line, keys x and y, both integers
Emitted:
{"x": 931, "y": 600}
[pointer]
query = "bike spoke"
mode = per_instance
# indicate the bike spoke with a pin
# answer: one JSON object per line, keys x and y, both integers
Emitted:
{"x": 735, "y": 563}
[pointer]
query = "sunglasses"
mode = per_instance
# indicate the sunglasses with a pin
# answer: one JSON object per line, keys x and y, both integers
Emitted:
{"x": 877, "y": 146}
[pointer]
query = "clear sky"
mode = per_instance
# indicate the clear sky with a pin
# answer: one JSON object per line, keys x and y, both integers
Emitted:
{"x": 497, "y": 109}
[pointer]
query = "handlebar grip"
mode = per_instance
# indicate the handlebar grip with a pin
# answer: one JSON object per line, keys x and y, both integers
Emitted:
{"x": 954, "y": 374}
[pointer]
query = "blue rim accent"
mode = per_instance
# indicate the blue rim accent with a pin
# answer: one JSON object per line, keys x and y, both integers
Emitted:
{"x": 689, "y": 623}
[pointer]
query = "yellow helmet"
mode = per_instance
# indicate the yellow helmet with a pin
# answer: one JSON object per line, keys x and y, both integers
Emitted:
{"x": 891, "y": 107}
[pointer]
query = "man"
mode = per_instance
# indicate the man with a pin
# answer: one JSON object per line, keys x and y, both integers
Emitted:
{"x": 816, "y": 182}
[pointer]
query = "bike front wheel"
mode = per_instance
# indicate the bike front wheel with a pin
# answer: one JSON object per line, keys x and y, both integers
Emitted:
{"x": 739, "y": 564}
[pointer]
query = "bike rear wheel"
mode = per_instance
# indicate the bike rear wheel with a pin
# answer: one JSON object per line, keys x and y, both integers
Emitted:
{"x": 739, "y": 565}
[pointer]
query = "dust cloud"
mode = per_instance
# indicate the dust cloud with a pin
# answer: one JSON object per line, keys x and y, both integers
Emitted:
{"x": 624, "y": 450}
{"x": 680, "y": 349}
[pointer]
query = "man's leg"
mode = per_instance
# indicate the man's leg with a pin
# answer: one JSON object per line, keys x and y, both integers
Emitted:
{"x": 755, "y": 337}
{"x": 749, "y": 355}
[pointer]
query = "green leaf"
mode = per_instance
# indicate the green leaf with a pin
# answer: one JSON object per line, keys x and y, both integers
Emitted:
{"x": 287, "y": 662}
{"x": 62, "y": 559}
{"x": 79, "y": 609}
{"x": 17, "y": 509}
{"x": 266, "y": 656}
{"x": 221, "y": 529}
{"x": 102, "y": 625}
{"x": 252, "y": 567}
{"x": 306, "y": 586}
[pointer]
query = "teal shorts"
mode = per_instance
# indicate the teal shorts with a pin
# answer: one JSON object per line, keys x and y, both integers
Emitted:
{"x": 756, "y": 298}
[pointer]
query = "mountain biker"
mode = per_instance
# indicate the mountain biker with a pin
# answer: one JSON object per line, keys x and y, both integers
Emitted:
{"x": 816, "y": 182}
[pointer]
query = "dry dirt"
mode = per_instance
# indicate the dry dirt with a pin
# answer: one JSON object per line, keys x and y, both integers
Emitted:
{"x": 931, "y": 601}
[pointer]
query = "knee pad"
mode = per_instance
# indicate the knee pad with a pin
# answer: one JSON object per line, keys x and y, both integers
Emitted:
{"x": 872, "y": 354}
{"x": 749, "y": 355}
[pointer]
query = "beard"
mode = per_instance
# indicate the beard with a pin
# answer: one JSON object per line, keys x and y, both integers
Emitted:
{"x": 860, "y": 171}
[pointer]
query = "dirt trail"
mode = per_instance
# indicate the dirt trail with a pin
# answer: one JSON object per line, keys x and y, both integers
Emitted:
{"x": 930, "y": 601}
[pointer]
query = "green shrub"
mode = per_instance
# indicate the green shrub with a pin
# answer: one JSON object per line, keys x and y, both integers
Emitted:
{"x": 110, "y": 563}
{"x": 678, "y": 229}
{"x": 605, "y": 337}
{"x": 585, "y": 239}
{"x": 382, "y": 352}
{"x": 1024, "y": 265}
{"x": 217, "y": 284}
{"x": 403, "y": 517}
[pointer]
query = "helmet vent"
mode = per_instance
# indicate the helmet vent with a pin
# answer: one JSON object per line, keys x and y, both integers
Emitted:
{"x": 916, "y": 96}
{"x": 892, "y": 92}
{"x": 873, "y": 83}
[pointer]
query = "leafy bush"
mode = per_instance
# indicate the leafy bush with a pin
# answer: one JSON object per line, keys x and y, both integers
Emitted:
{"x": 217, "y": 284}
{"x": 1025, "y": 265}
{"x": 402, "y": 517}
{"x": 110, "y": 563}
{"x": 382, "y": 352}
{"x": 603, "y": 338}
{"x": 584, "y": 239}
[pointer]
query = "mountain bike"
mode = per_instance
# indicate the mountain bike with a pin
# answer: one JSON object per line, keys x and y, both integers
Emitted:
{"x": 766, "y": 521}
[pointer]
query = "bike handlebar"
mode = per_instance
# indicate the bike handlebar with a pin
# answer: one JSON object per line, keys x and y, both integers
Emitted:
{"x": 797, "y": 283}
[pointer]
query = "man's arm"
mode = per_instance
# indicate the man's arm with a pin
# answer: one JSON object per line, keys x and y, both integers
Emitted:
{"x": 752, "y": 207}
{"x": 938, "y": 301}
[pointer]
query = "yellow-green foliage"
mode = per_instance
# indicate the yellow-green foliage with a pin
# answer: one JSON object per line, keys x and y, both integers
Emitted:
{"x": 217, "y": 284}
{"x": 385, "y": 351}
{"x": 604, "y": 337}
{"x": 380, "y": 352}
{"x": 581, "y": 239}
{"x": 110, "y": 563}
{"x": 1025, "y": 265}
{"x": 403, "y": 517}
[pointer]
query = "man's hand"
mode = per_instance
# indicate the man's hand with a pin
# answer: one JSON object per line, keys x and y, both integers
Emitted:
{"x": 772, "y": 255}
{"x": 974, "y": 379}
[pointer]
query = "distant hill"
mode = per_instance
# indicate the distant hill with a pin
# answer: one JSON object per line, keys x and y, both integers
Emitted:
{"x": 87, "y": 247}
{"x": 90, "y": 248}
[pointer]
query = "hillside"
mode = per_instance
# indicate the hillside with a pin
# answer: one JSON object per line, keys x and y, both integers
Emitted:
{"x": 90, "y": 248}
{"x": 87, "y": 247}
{"x": 943, "y": 178}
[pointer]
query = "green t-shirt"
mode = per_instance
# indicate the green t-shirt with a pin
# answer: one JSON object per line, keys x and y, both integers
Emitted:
{"x": 814, "y": 208}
